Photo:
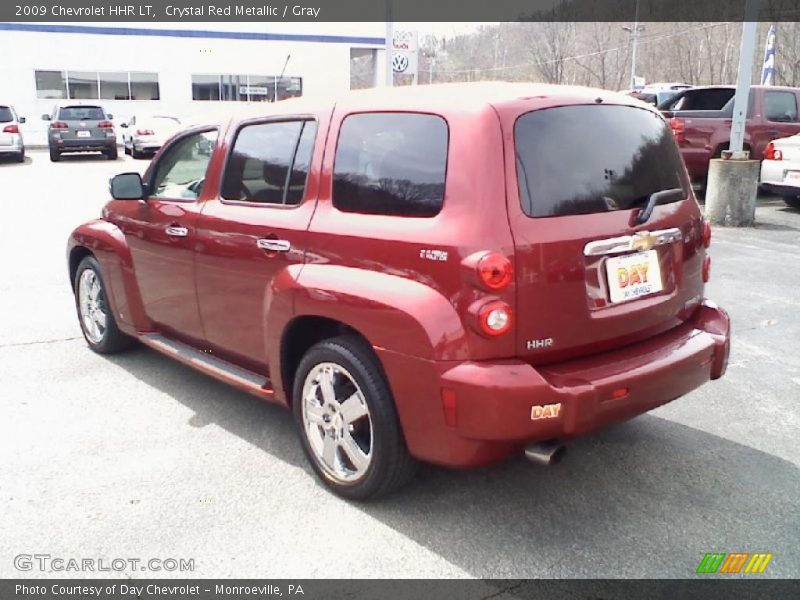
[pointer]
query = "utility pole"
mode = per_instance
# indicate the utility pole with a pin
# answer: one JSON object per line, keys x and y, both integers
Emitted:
{"x": 389, "y": 44}
{"x": 634, "y": 31}
{"x": 733, "y": 179}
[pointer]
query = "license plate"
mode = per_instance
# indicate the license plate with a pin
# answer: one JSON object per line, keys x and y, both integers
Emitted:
{"x": 633, "y": 276}
{"x": 84, "y": 134}
{"x": 792, "y": 177}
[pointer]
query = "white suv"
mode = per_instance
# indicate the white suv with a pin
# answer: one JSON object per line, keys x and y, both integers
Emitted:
{"x": 10, "y": 135}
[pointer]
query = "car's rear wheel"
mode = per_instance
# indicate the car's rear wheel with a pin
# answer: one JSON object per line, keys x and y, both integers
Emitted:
{"x": 347, "y": 420}
{"x": 94, "y": 314}
{"x": 55, "y": 155}
{"x": 21, "y": 156}
{"x": 112, "y": 154}
{"x": 135, "y": 153}
{"x": 792, "y": 201}
{"x": 125, "y": 148}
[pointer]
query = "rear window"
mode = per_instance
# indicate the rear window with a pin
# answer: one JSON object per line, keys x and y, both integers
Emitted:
{"x": 6, "y": 115}
{"x": 576, "y": 160}
{"x": 391, "y": 164}
{"x": 81, "y": 113}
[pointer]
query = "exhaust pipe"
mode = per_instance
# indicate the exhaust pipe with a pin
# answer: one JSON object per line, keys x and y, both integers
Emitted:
{"x": 545, "y": 453}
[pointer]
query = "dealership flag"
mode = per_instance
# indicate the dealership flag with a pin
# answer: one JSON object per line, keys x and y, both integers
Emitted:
{"x": 768, "y": 70}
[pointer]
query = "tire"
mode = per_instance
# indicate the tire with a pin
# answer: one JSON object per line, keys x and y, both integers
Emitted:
{"x": 792, "y": 201}
{"x": 55, "y": 155}
{"x": 135, "y": 153}
{"x": 112, "y": 154}
{"x": 125, "y": 149}
{"x": 20, "y": 158}
{"x": 358, "y": 382}
{"x": 110, "y": 339}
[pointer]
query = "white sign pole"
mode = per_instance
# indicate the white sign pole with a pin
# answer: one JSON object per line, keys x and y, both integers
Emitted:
{"x": 744, "y": 77}
{"x": 389, "y": 48}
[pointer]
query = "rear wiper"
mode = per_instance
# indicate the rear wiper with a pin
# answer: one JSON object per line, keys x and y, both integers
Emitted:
{"x": 656, "y": 198}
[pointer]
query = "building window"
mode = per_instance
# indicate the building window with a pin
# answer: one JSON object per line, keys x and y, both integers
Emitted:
{"x": 51, "y": 84}
{"x": 82, "y": 85}
{"x": 144, "y": 86}
{"x": 245, "y": 88}
{"x": 114, "y": 86}
{"x": 362, "y": 68}
{"x": 93, "y": 85}
{"x": 205, "y": 87}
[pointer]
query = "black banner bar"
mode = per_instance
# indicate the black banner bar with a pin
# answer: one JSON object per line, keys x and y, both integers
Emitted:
{"x": 383, "y": 589}
{"x": 401, "y": 10}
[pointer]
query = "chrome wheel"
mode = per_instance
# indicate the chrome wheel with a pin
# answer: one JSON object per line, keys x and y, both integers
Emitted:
{"x": 337, "y": 422}
{"x": 92, "y": 304}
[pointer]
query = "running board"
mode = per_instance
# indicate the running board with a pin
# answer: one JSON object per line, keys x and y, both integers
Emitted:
{"x": 245, "y": 380}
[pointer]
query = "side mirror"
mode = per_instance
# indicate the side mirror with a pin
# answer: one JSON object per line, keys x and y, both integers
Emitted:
{"x": 45, "y": 117}
{"x": 126, "y": 186}
{"x": 123, "y": 125}
{"x": 110, "y": 116}
{"x": 21, "y": 120}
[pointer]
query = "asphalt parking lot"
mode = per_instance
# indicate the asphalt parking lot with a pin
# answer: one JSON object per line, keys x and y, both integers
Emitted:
{"x": 136, "y": 456}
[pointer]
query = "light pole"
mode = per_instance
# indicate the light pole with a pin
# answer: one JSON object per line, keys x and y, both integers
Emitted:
{"x": 389, "y": 45}
{"x": 634, "y": 31}
{"x": 285, "y": 64}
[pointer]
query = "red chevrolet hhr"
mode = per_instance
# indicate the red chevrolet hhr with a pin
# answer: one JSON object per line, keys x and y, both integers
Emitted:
{"x": 447, "y": 273}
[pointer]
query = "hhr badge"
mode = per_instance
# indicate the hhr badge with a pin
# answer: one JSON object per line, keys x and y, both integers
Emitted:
{"x": 548, "y": 411}
{"x": 539, "y": 344}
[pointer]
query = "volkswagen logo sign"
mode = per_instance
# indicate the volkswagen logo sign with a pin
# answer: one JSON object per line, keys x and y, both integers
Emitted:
{"x": 399, "y": 63}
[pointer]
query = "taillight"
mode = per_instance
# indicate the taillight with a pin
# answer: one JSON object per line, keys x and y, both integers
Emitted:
{"x": 706, "y": 233}
{"x": 58, "y": 125}
{"x": 678, "y": 129}
{"x": 770, "y": 153}
{"x": 144, "y": 132}
{"x": 706, "y": 269}
{"x": 494, "y": 271}
{"x": 10, "y": 129}
{"x": 105, "y": 125}
{"x": 494, "y": 318}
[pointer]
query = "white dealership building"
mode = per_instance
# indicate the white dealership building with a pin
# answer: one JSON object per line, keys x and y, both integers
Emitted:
{"x": 182, "y": 69}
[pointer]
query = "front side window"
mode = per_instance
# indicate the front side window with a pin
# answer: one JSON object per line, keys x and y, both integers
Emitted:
{"x": 575, "y": 160}
{"x": 269, "y": 162}
{"x": 391, "y": 164}
{"x": 780, "y": 106}
{"x": 181, "y": 170}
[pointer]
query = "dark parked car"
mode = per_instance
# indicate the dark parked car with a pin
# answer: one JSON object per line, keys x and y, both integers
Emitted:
{"x": 80, "y": 128}
{"x": 408, "y": 293}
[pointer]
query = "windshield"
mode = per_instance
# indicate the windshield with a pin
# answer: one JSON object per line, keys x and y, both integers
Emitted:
{"x": 6, "y": 116}
{"x": 81, "y": 113}
{"x": 575, "y": 160}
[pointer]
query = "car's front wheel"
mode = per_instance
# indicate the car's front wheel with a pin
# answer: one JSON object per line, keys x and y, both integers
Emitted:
{"x": 94, "y": 314}
{"x": 347, "y": 420}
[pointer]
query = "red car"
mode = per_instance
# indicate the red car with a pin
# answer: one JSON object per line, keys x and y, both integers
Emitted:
{"x": 447, "y": 273}
{"x": 701, "y": 119}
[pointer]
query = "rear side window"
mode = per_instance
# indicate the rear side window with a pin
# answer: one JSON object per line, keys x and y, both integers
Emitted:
{"x": 6, "y": 116}
{"x": 269, "y": 162}
{"x": 81, "y": 113}
{"x": 780, "y": 106}
{"x": 391, "y": 164}
{"x": 576, "y": 160}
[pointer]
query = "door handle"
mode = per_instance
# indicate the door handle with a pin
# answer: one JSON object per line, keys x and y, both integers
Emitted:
{"x": 175, "y": 231}
{"x": 274, "y": 245}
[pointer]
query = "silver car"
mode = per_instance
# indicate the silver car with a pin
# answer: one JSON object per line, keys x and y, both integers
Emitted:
{"x": 146, "y": 134}
{"x": 81, "y": 128}
{"x": 11, "y": 142}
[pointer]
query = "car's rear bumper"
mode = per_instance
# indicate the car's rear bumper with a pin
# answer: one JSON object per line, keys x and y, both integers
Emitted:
{"x": 781, "y": 189}
{"x": 495, "y": 401}
{"x": 12, "y": 148}
{"x": 147, "y": 146}
{"x": 84, "y": 145}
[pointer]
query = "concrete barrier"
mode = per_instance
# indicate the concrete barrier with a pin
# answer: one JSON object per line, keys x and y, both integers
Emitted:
{"x": 731, "y": 192}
